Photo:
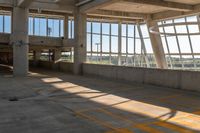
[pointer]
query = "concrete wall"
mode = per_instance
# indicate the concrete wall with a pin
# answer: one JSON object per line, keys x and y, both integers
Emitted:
{"x": 187, "y": 80}
{"x": 60, "y": 66}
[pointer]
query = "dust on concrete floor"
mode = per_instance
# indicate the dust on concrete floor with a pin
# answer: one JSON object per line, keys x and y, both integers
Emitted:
{"x": 52, "y": 102}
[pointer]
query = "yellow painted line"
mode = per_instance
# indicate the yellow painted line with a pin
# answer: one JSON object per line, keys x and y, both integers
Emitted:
{"x": 96, "y": 120}
{"x": 148, "y": 129}
{"x": 121, "y": 130}
{"x": 173, "y": 127}
{"x": 115, "y": 116}
{"x": 171, "y": 96}
{"x": 196, "y": 113}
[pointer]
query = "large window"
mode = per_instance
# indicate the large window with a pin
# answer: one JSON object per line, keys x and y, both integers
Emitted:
{"x": 5, "y": 22}
{"x": 130, "y": 47}
{"x": 182, "y": 47}
{"x": 46, "y": 26}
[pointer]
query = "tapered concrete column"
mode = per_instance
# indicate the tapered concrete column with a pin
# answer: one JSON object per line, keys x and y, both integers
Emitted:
{"x": 19, "y": 39}
{"x": 80, "y": 38}
{"x": 157, "y": 46}
{"x": 36, "y": 57}
{"x": 57, "y": 55}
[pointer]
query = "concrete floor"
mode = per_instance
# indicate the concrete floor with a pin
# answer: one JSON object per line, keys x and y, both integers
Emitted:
{"x": 52, "y": 102}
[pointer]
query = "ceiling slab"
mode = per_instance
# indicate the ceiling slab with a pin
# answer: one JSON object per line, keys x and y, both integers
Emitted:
{"x": 190, "y": 2}
{"x": 137, "y": 8}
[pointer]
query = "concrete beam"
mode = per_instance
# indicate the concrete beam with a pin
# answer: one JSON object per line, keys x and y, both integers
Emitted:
{"x": 116, "y": 14}
{"x": 96, "y": 4}
{"x": 24, "y": 3}
{"x": 165, "y": 4}
{"x": 52, "y": 7}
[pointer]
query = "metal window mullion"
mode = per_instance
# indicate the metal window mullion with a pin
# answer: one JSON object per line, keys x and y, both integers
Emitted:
{"x": 3, "y": 23}
{"x": 47, "y": 25}
{"x": 33, "y": 25}
{"x": 59, "y": 27}
{"x": 91, "y": 39}
{"x": 110, "y": 43}
{"x": 189, "y": 37}
{"x": 170, "y": 58}
{"x": 101, "y": 43}
{"x": 134, "y": 43}
{"x": 179, "y": 49}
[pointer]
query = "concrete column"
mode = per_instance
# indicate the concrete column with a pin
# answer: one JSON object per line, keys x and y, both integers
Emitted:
{"x": 19, "y": 39}
{"x": 57, "y": 55}
{"x": 36, "y": 57}
{"x": 80, "y": 38}
{"x": 66, "y": 27}
{"x": 157, "y": 46}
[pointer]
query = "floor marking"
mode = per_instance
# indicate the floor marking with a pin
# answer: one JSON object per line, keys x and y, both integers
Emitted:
{"x": 115, "y": 116}
{"x": 105, "y": 124}
{"x": 171, "y": 96}
{"x": 173, "y": 127}
{"x": 147, "y": 128}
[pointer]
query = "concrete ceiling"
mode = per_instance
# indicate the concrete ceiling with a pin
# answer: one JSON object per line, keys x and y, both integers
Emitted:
{"x": 136, "y": 8}
{"x": 190, "y": 2}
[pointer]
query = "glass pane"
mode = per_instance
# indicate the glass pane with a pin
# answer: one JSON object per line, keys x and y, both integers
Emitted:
{"x": 131, "y": 45}
{"x": 89, "y": 42}
{"x": 7, "y": 24}
{"x": 96, "y": 27}
{"x": 43, "y": 27}
{"x": 181, "y": 29}
{"x": 62, "y": 28}
{"x": 123, "y": 44}
{"x": 124, "y": 30}
{"x": 138, "y": 46}
{"x": 145, "y": 31}
{"x": 105, "y": 43}
{"x": 30, "y": 26}
{"x": 105, "y": 28}
{"x": 179, "y": 20}
{"x": 88, "y": 26}
{"x": 184, "y": 44}
{"x": 191, "y": 19}
{"x": 193, "y": 28}
{"x": 130, "y": 30}
{"x": 37, "y": 26}
{"x": 164, "y": 45}
{"x": 95, "y": 42}
{"x": 1, "y": 23}
{"x": 114, "y": 29}
{"x": 114, "y": 44}
{"x": 173, "y": 47}
{"x": 148, "y": 46}
{"x": 195, "y": 43}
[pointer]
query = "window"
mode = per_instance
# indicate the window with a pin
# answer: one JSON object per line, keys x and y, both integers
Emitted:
{"x": 5, "y": 23}
{"x": 103, "y": 44}
{"x": 44, "y": 26}
{"x": 182, "y": 49}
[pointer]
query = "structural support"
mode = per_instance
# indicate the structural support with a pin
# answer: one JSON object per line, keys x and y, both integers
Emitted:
{"x": 119, "y": 43}
{"x": 57, "y": 55}
{"x": 80, "y": 37}
{"x": 66, "y": 27}
{"x": 36, "y": 57}
{"x": 19, "y": 39}
{"x": 157, "y": 46}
